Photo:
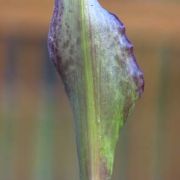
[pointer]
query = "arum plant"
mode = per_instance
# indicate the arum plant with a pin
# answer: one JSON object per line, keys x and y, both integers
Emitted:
{"x": 95, "y": 59}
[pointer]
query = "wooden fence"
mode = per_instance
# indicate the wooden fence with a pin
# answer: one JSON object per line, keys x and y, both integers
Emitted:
{"x": 37, "y": 140}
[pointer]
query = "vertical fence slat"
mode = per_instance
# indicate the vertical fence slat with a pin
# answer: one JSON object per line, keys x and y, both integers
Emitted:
{"x": 44, "y": 144}
{"x": 162, "y": 115}
{"x": 9, "y": 104}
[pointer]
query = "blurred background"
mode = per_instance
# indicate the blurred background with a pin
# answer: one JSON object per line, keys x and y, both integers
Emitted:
{"x": 37, "y": 140}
